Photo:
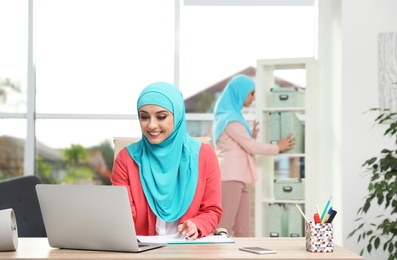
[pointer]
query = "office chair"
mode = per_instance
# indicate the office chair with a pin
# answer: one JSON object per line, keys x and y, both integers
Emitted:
{"x": 19, "y": 193}
{"x": 121, "y": 142}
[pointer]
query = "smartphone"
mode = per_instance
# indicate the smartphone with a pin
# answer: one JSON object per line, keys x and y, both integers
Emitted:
{"x": 257, "y": 250}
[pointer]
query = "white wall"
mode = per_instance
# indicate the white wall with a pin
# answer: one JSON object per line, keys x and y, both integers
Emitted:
{"x": 349, "y": 60}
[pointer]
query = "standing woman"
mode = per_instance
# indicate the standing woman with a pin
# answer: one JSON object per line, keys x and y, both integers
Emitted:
{"x": 235, "y": 146}
{"x": 173, "y": 180}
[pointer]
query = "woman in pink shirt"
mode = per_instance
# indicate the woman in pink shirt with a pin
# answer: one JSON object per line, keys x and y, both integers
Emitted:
{"x": 172, "y": 179}
{"x": 235, "y": 146}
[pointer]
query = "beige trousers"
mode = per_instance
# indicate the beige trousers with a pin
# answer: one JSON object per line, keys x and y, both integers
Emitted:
{"x": 236, "y": 209}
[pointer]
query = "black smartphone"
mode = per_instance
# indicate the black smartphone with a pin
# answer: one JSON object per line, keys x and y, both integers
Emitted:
{"x": 257, "y": 250}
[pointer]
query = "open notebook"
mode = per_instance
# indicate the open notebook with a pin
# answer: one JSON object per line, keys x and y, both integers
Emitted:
{"x": 92, "y": 217}
{"x": 177, "y": 238}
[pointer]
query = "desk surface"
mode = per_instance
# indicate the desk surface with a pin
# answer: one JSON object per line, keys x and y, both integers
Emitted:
{"x": 287, "y": 248}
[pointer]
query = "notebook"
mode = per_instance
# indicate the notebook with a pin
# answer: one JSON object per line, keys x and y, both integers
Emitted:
{"x": 91, "y": 217}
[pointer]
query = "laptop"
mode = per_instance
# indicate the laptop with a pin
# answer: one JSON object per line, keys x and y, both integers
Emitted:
{"x": 90, "y": 217}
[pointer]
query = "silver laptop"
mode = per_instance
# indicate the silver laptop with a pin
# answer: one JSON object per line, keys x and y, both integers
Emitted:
{"x": 91, "y": 217}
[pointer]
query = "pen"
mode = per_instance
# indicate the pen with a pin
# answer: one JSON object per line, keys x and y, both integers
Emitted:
{"x": 184, "y": 237}
{"x": 303, "y": 215}
{"x": 325, "y": 210}
{"x": 328, "y": 214}
{"x": 318, "y": 210}
{"x": 332, "y": 216}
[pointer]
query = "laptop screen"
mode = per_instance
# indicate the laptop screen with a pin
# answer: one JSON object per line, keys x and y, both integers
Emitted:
{"x": 94, "y": 217}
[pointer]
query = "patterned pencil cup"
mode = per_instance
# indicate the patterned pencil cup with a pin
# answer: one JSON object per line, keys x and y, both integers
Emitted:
{"x": 319, "y": 237}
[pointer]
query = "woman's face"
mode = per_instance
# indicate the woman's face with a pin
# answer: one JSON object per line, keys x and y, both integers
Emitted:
{"x": 157, "y": 123}
{"x": 250, "y": 97}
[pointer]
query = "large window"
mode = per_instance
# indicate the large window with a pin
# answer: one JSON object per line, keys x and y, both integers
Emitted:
{"x": 91, "y": 58}
{"x": 13, "y": 56}
{"x": 94, "y": 57}
{"x": 13, "y": 77}
{"x": 218, "y": 42}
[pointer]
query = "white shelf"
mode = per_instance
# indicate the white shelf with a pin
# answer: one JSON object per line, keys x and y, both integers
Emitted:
{"x": 273, "y": 201}
{"x": 291, "y": 155}
{"x": 283, "y": 109}
{"x": 264, "y": 187}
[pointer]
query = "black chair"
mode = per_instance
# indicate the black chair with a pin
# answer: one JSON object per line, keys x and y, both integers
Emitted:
{"x": 20, "y": 194}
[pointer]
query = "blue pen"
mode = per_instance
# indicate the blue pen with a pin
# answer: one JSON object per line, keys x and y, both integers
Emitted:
{"x": 328, "y": 214}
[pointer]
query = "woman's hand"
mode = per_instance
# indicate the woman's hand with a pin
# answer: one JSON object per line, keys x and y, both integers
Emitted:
{"x": 286, "y": 143}
{"x": 189, "y": 229}
{"x": 255, "y": 129}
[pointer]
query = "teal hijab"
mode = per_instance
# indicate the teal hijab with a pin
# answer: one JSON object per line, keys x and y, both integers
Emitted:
{"x": 169, "y": 170}
{"x": 230, "y": 103}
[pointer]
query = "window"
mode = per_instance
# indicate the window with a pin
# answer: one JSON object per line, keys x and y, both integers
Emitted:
{"x": 93, "y": 57}
{"x": 218, "y": 42}
{"x": 13, "y": 53}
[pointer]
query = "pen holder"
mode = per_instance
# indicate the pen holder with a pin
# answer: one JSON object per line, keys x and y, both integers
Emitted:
{"x": 319, "y": 237}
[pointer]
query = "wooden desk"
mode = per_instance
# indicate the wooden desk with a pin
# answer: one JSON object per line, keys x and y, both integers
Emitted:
{"x": 287, "y": 248}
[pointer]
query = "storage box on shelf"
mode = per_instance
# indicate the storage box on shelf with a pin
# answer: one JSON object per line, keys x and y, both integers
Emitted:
{"x": 281, "y": 124}
{"x": 280, "y": 111}
{"x": 283, "y": 220}
{"x": 289, "y": 189}
{"x": 296, "y": 224}
{"x": 290, "y": 124}
{"x": 287, "y": 97}
{"x": 277, "y": 224}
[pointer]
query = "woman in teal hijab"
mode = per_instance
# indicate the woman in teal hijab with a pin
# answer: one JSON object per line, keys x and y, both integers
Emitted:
{"x": 167, "y": 171}
{"x": 235, "y": 144}
{"x": 161, "y": 177}
{"x": 230, "y": 104}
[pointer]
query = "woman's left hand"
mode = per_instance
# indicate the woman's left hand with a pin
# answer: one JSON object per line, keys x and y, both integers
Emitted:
{"x": 255, "y": 129}
{"x": 189, "y": 229}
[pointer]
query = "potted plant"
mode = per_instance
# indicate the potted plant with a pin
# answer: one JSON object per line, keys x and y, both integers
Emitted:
{"x": 382, "y": 190}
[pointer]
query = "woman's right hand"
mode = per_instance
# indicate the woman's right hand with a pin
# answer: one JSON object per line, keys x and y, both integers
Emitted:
{"x": 286, "y": 143}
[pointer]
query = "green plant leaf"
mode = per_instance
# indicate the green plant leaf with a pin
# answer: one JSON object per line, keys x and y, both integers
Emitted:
{"x": 370, "y": 161}
{"x": 366, "y": 206}
{"x": 381, "y": 171}
{"x": 377, "y": 242}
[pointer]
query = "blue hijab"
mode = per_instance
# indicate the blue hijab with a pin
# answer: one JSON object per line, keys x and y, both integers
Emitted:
{"x": 169, "y": 170}
{"x": 230, "y": 103}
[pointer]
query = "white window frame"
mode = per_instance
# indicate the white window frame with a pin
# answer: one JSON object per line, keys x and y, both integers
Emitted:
{"x": 31, "y": 115}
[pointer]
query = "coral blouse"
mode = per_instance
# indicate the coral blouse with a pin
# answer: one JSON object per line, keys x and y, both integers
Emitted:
{"x": 205, "y": 210}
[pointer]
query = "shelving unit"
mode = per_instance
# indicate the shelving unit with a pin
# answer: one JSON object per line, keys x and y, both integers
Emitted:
{"x": 264, "y": 187}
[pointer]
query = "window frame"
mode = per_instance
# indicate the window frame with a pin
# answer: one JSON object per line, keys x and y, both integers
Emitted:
{"x": 31, "y": 115}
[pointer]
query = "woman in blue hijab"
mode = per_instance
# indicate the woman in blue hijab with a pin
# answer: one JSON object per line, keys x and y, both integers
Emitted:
{"x": 173, "y": 180}
{"x": 235, "y": 146}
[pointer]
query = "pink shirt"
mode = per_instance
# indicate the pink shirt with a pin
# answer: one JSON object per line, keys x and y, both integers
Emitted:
{"x": 205, "y": 210}
{"x": 235, "y": 149}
